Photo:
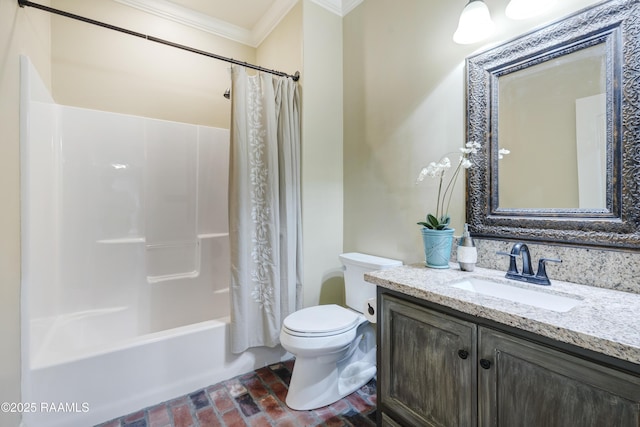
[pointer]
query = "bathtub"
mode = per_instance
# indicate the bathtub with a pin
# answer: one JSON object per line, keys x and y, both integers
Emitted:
{"x": 102, "y": 383}
{"x": 125, "y": 261}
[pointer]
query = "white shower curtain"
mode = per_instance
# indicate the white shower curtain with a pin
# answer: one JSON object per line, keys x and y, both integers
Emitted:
{"x": 265, "y": 229}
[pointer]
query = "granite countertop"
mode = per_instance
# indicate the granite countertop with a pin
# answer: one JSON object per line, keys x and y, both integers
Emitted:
{"x": 605, "y": 321}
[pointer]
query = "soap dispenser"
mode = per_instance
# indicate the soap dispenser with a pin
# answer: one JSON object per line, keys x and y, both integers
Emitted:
{"x": 467, "y": 253}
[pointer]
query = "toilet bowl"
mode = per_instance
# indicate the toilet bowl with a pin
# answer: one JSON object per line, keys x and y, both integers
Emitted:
{"x": 334, "y": 347}
{"x": 332, "y": 361}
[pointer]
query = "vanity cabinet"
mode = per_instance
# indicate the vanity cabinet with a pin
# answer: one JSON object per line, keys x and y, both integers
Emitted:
{"x": 435, "y": 369}
{"x": 427, "y": 366}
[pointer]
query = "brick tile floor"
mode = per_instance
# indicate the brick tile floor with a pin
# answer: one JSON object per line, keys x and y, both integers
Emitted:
{"x": 255, "y": 399}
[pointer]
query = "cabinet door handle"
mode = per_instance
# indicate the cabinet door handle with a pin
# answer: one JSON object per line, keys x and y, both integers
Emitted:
{"x": 463, "y": 354}
{"x": 485, "y": 364}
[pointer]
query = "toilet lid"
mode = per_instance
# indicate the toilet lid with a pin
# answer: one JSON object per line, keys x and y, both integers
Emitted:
{"x": 322, "y": 320}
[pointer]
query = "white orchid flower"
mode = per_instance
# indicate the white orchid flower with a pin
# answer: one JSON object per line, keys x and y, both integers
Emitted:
{"x": 473, "y": 147}
{"x": 445, "y": 163}
{"x": 441, "y": 218}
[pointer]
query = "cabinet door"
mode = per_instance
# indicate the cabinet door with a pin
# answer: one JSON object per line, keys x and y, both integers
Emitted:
{"x": 525, "y": 384}
{"x": 388, "y": 421}
{"x": 427, "y": 366}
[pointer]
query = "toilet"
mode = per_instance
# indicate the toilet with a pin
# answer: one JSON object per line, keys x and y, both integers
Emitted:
{"x": 334, "y": 347}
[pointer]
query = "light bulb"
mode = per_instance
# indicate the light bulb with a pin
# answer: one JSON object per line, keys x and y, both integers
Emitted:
{"x": 475, "y": 23}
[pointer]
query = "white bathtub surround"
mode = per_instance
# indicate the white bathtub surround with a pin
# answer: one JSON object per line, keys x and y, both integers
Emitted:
{"x": 125, "y": 293}
{"x": 264, "y": 205}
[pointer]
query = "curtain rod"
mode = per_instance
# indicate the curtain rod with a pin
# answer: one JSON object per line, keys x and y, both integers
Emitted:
{"x": 23, "y": 3}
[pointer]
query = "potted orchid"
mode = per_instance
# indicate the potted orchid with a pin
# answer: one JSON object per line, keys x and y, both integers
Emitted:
{"x": 441, "y": 219}
{"x": 436, "y": 233}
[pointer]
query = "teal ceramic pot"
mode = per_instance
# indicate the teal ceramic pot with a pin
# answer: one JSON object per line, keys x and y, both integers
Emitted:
{"x": 437, "y": 247}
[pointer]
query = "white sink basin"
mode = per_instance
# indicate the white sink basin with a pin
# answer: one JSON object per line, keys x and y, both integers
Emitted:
{"x": 536, "y": 298}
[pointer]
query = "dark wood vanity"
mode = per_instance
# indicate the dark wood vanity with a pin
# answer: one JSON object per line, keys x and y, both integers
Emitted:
{"x": 438, "y": 367}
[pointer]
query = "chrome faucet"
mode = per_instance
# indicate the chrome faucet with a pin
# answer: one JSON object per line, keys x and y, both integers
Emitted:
{"x": 527, "y": 275}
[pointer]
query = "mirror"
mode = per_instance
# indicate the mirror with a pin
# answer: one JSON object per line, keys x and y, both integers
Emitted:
{"x": 552, "y": 120}
{"x": 557, "y": 112}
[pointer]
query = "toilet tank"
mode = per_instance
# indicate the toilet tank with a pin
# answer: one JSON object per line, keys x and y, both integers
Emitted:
{"x": 357, "y": 291}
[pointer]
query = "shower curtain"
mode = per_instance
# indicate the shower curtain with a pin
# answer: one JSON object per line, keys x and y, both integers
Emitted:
{"x": 265, "y": 229}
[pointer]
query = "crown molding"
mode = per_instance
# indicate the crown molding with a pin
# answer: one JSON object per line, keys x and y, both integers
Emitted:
{"x": 339, "y": 7}
{"x": 251, "y": 37}
{"x": 270, "y": 20}
{"x": 349, "y": 5}
{"x": 173, "y": 12}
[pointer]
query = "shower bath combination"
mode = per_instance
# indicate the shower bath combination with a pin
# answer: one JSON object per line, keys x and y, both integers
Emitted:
{"x": 125, "y": 260}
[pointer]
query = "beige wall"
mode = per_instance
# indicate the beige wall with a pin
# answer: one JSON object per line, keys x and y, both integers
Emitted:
{"x": 322, "y": 177}
{"x": 321, "y": 83}
{"x": 101, "y": 69}
{"x": 282, "y": 49}
{"x": 403, "y": 108}
{"x": 21, "y": 32}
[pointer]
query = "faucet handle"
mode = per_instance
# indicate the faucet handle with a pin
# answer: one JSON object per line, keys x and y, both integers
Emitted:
{"x": 542, "y": 271}
{"x": 513, "y": 268}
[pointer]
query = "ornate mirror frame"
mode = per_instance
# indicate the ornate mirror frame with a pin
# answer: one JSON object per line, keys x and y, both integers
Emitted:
{"x": 616, "y": 23}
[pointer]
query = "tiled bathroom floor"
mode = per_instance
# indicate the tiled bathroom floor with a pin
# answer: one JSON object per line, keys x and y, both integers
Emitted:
{"x": 254, "y": 399}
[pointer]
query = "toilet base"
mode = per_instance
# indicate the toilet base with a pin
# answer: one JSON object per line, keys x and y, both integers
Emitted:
{"x": 321, "y": 381}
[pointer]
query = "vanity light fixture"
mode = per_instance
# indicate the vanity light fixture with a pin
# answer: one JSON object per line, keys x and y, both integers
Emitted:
{"x": 475, "y": 23}
{"x": 523, "y": 9}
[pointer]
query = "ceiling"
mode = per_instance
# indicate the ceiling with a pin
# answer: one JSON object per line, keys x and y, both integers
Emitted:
{"x": 244, "y": 21}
